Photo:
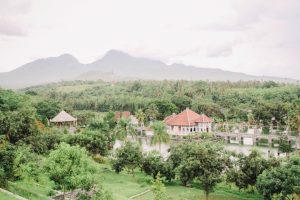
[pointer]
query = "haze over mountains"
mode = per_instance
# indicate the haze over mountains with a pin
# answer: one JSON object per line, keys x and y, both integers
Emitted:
{"x": 115, "y": 65}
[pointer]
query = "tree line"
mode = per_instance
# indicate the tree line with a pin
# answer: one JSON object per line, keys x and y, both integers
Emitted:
{"x": 223, "y": 101}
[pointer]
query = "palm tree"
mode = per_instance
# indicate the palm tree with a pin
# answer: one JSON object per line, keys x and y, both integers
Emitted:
{"x": 124, "y": 128}
{"x": 140, "y": 115}
{"x": 160, "y": 134}
{"x": 152, "y": 112}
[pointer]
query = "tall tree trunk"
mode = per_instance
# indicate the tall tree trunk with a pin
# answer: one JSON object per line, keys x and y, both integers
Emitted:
{"x": 206, "y": 195}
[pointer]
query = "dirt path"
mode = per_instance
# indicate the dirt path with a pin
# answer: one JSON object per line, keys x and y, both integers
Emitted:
{"x": 140, "y": 194}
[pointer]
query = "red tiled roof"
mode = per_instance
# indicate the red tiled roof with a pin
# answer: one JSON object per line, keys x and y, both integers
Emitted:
{"x": 124, "y": 114}
{"x": 169, "y": 117}
{"x": 186, "y": 118}
{"x": 204, "y": 118}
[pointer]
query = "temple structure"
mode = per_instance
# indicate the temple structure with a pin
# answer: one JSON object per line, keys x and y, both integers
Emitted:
{"x": 188, "y": 122}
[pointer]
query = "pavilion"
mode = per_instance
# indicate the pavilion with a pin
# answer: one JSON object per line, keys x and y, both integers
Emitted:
{"x": 188, "y": 122}
{"x": 64, "y": 118}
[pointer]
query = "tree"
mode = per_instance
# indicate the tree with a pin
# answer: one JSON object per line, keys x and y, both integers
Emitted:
{"x": 165, "y": 108}
{"x": 10, "y": 101}
{"x": 152, "y": 112}
{"x": 47, "y": 109}
{"x": 43, "y": 143}
{"x": 247, "y": 168}
{"x": 284, "y": 145}
{"x": 70, "y": 168}
{"x": 250, "y": 118}
{"x": 269, "y": 84}
{"x": 7, "y": 156}
{"x": 140, "y": 115}
{"x": 124, "y": 128}
{"x": 109, "y": 119}
{"x": 136, "y": 86}
{"x": 203, "y": 161}
{"x": 17, "y": 125}
{"x": 159, "y": 189}
{"x": 282, "y": 181}
{"x": 26, "y": 164}
{"x": 128, "y": 157}
{"x": 182, "y": 101}
{"x": 99, "y": 125}
{"x": 153, "y": 164}
{"x": 206, "y": 164}
{"x": 95, "y": 142}
{"x": 160, "y": 134}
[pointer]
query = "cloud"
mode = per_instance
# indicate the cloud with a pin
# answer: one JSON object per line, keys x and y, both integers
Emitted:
{"x": 242, "y": 17}
{"x": 9, "y": 27}
{"x": 221, "y": 51}
{"x": 12, "y": 14}
{"x": 256, "y": 37}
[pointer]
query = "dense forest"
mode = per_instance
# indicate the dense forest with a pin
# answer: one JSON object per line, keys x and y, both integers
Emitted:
{"x": 232, "y": 101}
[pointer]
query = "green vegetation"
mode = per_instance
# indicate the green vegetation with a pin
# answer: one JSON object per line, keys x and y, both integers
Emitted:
{"x": 38, "y": 160}
{"x": 282, "y": 181}
{"x": 6, "y": 196}
{"x": 70, "y": 168}
{"x": 128, "y": 157}
{"x": 246, "y": 169}
{"x": 220, "y": 100}
{"x": 160, "y": 134}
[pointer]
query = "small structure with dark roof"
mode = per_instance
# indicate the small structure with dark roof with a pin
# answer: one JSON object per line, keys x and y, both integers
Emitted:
{"x": 64, "y": 118}
{"x": 187, "y": 122}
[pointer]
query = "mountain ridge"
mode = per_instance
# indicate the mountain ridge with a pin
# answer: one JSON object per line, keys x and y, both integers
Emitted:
{"x": 118, "y": 65}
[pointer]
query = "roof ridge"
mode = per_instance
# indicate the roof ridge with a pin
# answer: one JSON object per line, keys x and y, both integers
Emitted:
{"x": 187, "y": 114}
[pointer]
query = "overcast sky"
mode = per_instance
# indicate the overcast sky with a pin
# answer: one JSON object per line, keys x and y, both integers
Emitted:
{"x": 260, "y": 37}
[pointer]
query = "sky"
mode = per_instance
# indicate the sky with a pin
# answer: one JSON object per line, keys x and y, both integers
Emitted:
{"x": 258, "y": 37}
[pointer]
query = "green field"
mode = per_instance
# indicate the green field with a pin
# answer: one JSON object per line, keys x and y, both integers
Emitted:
{"x": 29, "y": 190}
{"x": 4, "y": 196}
{"x": 123, "y": 186}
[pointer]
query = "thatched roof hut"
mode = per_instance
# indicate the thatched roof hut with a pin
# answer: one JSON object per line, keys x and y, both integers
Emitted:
{"x": 64, "y": 118}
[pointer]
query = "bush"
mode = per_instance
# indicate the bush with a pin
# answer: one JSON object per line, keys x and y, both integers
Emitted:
{"x": 128, "y": 157}
{"x": 95, "y": 142}
{"x": 43, "y": 143}
{"x": 153, "y": 164}
{"x": 266, "y": 130}
{"x": 99, "y": 159}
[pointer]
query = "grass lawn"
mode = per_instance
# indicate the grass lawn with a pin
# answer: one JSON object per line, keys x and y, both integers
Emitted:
{"x": 123, "y": 186}
{"x": 5, "y": 196}
{"x": 29, "y": 190}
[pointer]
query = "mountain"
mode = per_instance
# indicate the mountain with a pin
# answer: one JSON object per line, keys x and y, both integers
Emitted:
{"x": 115, "y": 65}
{"x": 64, "y": 67}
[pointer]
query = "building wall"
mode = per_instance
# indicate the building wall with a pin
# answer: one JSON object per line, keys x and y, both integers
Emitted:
{"x": 185, "y": 130}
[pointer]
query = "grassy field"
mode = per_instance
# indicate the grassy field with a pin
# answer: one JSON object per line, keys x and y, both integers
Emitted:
{"x": 4, "y": 196}
{"x": 29, "y": 190}
{"x": 123, "y": 186}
